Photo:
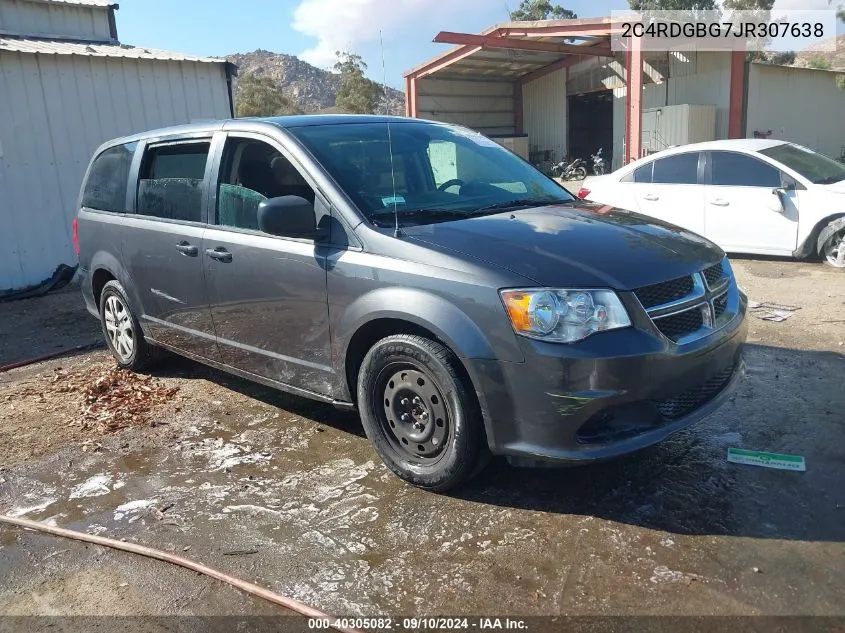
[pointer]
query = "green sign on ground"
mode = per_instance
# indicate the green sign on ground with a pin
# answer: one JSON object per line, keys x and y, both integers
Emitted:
{"x": 769, "y": 460}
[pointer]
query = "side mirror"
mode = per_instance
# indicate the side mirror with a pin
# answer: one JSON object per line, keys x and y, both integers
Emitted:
{"x": 287, "y": 216}
{"x": 780, "y": 205}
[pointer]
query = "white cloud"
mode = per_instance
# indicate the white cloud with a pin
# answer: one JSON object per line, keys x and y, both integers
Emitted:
{"x": 348, "y": 24}
{"x": 345, "y": 24}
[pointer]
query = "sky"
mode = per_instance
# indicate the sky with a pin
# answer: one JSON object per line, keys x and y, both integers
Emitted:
{"x": 314, "y": 29}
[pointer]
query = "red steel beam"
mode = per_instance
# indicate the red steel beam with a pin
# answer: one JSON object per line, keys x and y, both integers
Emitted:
{"x": 737, "y": 94}
{"x": 493, "y": 41}
{"x": 634, "y": 100}
{"x": 566, "y": 62}
{"x": 444, "y": 61}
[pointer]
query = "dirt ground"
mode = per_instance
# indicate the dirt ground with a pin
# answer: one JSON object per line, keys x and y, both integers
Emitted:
{"x": 289, "y": 494}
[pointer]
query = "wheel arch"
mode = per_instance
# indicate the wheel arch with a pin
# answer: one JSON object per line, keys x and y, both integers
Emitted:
{"x": 831, "y": 225}
{"x": 813, "y": 242}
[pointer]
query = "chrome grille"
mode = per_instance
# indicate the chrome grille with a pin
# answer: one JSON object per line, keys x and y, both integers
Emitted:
{"x": 686, "y": 402}
{"x": 664, "y": 292}
{"x": 688, "y": 308}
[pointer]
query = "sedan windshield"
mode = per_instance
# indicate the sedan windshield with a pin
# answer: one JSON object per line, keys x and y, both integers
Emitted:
{"x": 818, "y": 169}
{"x": 420, "y": 173}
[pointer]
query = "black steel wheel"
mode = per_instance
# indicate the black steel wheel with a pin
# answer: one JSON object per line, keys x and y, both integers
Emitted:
{"x": 419, "y": 413}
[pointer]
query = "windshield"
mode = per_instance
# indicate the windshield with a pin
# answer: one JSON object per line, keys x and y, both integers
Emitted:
{"x": 818, "y": 169}
{"x": 436, "y": 172}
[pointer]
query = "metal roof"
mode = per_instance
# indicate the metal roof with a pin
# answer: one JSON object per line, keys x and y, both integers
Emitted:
{"x": 61, "y": 47}
{"x": 495, "y": 54}
{"x": 82, "y": 3}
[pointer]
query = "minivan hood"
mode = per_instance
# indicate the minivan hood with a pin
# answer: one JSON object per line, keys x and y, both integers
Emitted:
{"x": 577, "y": 245}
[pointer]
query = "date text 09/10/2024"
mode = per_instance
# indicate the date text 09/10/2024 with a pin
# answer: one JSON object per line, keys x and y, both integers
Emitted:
{"x": 417, "y": 624}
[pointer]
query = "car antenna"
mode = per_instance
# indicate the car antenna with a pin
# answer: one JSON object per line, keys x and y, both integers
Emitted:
{"x": 396, "y": 231}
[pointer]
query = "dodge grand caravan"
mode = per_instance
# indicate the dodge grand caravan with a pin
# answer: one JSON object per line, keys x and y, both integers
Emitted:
{"x": 464, "y": 303}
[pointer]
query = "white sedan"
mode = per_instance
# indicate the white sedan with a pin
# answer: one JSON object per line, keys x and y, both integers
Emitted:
{"x": 748, "y": 196}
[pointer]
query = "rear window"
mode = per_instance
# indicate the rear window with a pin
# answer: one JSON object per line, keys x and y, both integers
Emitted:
{"x": 171, "y": 182}
{"x": 105, "y": 189}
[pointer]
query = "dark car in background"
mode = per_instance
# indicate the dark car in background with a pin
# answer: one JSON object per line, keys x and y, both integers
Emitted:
{"x": 462, "y": 301}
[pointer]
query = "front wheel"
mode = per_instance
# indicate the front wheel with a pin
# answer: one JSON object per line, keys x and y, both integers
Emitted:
{"x": 833, "y": 250}
{"x": 598, "y": 170}
{"x": 419, "y": 413}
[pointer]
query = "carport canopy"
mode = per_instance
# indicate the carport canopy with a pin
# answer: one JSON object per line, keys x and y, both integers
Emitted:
{"x": 521, "y": 52}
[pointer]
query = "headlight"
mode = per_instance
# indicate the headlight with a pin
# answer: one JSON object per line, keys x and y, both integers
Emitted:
{"x": 563, "y": 315}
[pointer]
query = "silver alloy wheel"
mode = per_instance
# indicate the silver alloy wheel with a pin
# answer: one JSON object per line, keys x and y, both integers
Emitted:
{"x": 119, "y": 327}
{"x": 834, "y": 250}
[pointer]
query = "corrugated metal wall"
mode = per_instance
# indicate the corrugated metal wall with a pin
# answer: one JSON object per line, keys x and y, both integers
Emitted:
{"x": 544, "y": 113}
{"x": 47, "y": 19}
{"x": 801, "y": 105}
{"x": 56, "y": 111}
{"x": 485, "y": 106}
{"x": 702, "y": 78}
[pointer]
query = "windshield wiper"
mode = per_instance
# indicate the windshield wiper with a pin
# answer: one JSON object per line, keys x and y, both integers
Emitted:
{"x": 519, "y": 202}
{"x": 830, "y": 180}
{"x": 429, "y": 214}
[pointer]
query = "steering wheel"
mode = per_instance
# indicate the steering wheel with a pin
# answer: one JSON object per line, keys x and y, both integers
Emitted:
{"x": 451, "y": 183}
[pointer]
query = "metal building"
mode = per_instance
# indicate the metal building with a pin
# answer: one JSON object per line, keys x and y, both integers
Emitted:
{"x": 67, "y": 85}
{"x": 558, "y": 84}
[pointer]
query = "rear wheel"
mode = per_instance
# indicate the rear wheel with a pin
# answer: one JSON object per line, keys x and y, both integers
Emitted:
{"x": 580, "y": 173}
{"x": 419, "y": 413}
{"x": 122, "y": 331}
{"x": 833, "y": 250}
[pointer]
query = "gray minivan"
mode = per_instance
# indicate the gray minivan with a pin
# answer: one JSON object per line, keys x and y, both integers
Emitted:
{"x": 465, "y": 303}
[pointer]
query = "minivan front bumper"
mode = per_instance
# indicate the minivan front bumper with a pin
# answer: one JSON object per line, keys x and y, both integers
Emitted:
{"x": 609, "y": 395}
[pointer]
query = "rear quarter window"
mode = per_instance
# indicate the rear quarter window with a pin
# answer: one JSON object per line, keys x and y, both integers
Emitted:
{"x": 105, "y": 188}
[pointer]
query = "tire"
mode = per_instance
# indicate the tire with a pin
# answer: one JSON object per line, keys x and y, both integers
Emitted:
{"x": 122, "y": 331}
{"x": 420, "y": 415}
{"x": 831, "y": 251}
{"x": 580, "y": 173}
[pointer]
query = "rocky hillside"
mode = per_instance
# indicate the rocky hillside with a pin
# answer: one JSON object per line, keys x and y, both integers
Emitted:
{"x": 835, "y": 58}
{"x": 312, "y": 89}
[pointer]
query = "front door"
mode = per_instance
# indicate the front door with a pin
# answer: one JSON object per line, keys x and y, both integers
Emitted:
{"x": 743, "y": 211}
{"x": 162, "y": 245}
{"x": 669, "y": 189}
{"x": 267, "y": 293}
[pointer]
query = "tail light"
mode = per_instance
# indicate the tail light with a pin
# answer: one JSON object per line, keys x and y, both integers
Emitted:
{"x": 583, "y": 192}
{"x": 76, "y": 235}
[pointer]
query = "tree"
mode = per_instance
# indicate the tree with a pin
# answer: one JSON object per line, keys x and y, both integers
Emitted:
{"x": 819, "y": 63}
{"x": 672, "y": 5}
{"x": 533, "y": 10}
{"x": 261, "y": 96}
{"x": 357, "y": 94}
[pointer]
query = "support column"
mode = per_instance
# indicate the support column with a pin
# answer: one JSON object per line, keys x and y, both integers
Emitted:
{"x": 634, "y": 100}
{"x": 735, "y": 115}
{"x": 411, "y": 101}
{"x": 518, "y": 125}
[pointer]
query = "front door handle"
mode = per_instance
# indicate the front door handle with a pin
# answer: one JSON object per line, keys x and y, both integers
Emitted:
{"x": 219, "y": 253}
{"x": 187, "y": 249}
{"x": 718, "y": 202}
{"x": 651, "y": 197}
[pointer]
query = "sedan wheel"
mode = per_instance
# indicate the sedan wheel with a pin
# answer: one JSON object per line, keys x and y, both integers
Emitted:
{"x": 833, "y": 250}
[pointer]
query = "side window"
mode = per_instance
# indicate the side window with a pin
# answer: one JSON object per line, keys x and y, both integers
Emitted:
{"x": 105, "y": 189}
{"x": 738, "y": 170}
{"x": 643, "y": 174}
{"x": 171, "y": 181}
{"x": 681, "y": 169}
{"x": 253, "y": 171}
